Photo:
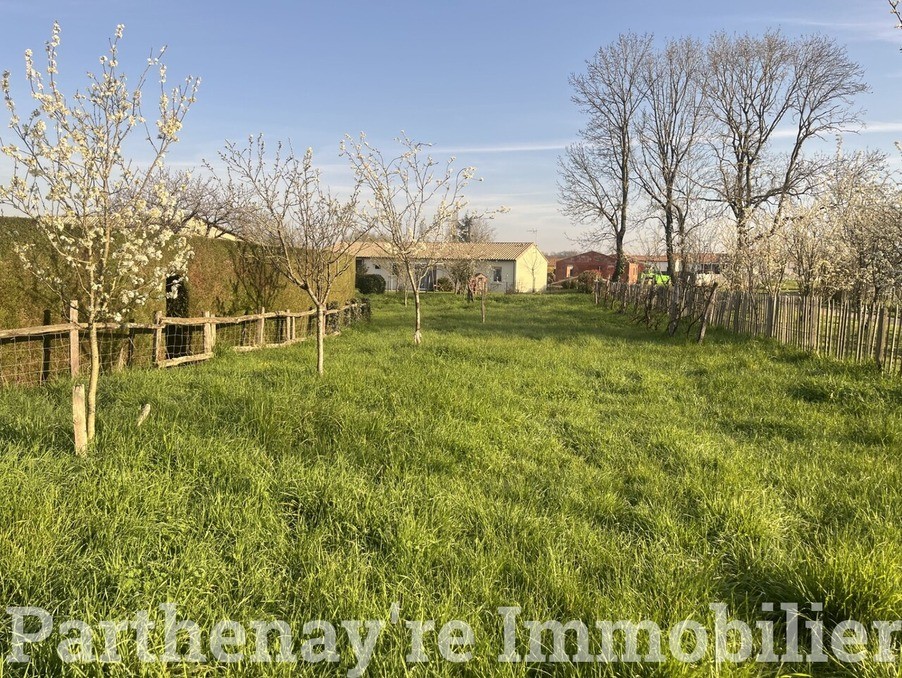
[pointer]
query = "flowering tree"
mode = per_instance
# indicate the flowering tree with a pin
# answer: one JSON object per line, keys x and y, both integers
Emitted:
{"x": 309, "y": 234}
{"x": 414, "y": 198}
{"x": 112, "y": 249}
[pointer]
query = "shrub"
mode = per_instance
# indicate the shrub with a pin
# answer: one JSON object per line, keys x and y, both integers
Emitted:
{"x": 586, "y": 281}
{"x": 371, "y": 284}
{"x": 444, "y": 284}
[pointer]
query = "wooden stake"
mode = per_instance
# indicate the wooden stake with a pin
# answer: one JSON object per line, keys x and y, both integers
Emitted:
{"x": 880, "y": 348}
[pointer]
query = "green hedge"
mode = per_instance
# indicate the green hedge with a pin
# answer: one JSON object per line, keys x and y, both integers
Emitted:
{"x": 213, "y": 283}
{"x": 371, "y": 283}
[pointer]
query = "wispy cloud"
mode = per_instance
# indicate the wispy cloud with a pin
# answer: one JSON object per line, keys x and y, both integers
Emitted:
{"x": 885, "y": 31}
{"x": 871, "y": 127}
{"x": 882, "y": 128}
{"x": 525, "y": 147}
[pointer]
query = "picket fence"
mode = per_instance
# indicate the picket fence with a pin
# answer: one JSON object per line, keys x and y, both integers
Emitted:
{"x": 842, "y": 329}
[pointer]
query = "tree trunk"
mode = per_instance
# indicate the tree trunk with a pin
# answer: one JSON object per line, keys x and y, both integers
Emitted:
{"x": 706, "y": 313}
{"x": 92, "y": 383}
{"x": 620, "y": 263}
{"x": 668, "y": 244}
{"x": 417, "y": 335}
{"x": 675, "y": 306}
{"x": 79, "y": 426}
{"x": 320, "y": 337}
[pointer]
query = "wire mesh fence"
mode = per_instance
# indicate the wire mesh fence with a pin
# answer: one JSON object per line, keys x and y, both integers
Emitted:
{"x": 34, "y": 355}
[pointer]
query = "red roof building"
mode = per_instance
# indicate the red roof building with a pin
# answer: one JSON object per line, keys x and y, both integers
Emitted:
{"x": 571, "y": 267}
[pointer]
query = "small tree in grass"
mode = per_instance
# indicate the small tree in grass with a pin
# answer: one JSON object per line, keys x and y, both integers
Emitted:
{"x": 309, "y": 234}
{"x": 413, "y": 199}
{"x": 95, "y": 238}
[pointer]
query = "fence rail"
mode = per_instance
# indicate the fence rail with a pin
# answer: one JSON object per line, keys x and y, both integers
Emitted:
{"x": 33, "y": 355}
{"x": 844, "y": 330}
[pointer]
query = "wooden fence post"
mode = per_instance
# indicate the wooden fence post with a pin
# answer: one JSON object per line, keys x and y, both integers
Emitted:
{"x": 209, "y": 337}
{"x": 159, "y": 346}
{"x": 880, "y": 348}
{"x": 74, "y": 341}
{"x": 706, "y": 314}
{"x": 261, "y": 327}
{"x": 770, "y": 317}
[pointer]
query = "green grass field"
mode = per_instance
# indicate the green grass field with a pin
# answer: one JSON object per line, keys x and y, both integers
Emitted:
{"x": 556, "y": 458}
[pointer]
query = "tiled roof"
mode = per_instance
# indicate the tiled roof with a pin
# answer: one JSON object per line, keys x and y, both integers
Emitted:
{"x": 449, "y": 251}
{"x": 579, "y": 258}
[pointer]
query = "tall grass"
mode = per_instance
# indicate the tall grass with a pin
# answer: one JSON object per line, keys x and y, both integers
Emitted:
{"x": 555, "y": 457}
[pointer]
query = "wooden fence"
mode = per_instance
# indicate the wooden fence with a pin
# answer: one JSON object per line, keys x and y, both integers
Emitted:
{"x": 844, "y": 330}
{"x": 33, "y": 355}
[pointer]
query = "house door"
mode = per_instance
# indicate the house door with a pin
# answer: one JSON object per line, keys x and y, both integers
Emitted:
{"x": 428, "y": 282}
{"x": 178, "y": 337}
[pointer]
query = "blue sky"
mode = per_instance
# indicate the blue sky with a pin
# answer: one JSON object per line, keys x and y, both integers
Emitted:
{"x": 484, "y": 80}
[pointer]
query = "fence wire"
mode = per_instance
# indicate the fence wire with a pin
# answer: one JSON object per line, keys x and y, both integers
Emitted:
{"x": 40, "y": 356}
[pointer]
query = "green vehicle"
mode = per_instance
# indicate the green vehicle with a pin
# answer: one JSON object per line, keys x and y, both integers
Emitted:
{"x": 654, "y": 278}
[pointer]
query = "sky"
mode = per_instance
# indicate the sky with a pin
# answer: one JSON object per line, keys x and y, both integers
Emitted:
{"x": 486, "y": 80}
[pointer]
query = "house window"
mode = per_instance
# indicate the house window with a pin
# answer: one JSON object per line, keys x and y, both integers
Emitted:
{"x": 569, "y": 273}
{"x": 377, "y": 267}
{"x": 496, "y": 274}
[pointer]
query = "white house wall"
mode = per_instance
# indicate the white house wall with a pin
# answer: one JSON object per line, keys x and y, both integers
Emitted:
{"x": 532, "y": 271}
{"x": 509, "y": 273}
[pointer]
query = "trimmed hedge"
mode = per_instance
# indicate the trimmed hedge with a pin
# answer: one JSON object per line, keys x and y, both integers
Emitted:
{"x": 371, "y": 283}
{"x": 213, "y": 283}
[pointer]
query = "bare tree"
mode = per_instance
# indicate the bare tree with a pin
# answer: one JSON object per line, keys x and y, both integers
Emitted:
{"x": 204, "y": 205}
{"x": 762, "y": 88}
{"x": 670, "y": 131}
{"x": 596, "y": 175}
{"x": 462, "y": 269}
{"x": 537, "y": 265}
{"x": 413, "y": 199}
{"x": 310, "y": 233}
{"x": 258, "y": 277}
{"x": 471, "y": 227}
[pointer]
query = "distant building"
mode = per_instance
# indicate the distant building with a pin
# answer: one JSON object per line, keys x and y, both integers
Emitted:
{"x": 605, "y": 264}
{"x": 508, "y": 266}
{"x": 705, "y": 263}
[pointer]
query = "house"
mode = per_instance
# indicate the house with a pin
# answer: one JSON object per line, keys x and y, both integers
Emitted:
{"x": 571, "y": 267}
{"x": 508, "y": 266}
{"x": 704, "y": 263}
